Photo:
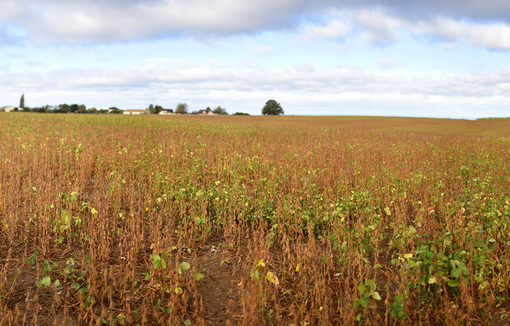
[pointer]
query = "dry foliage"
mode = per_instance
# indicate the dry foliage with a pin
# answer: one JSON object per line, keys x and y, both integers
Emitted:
{"x": 253, "y": 220}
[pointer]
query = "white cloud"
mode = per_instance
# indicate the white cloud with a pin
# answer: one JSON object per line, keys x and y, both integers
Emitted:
{"x": 379, "y": 28}
{"x": 491, "y": 36}
{"x": 441, "y": 27}
{"x": 110, "y": 21}
{"x": 76, "y": 21}
{"x": 8, "y": 9}
{"x": 381, "y": 21}
{"x": 475, "y": 10}
{"x": 496, "y": 36}
{"x": 336, "y": 29}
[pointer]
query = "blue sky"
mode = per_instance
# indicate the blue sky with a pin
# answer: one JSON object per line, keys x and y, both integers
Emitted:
{"x": 432, "y": 58}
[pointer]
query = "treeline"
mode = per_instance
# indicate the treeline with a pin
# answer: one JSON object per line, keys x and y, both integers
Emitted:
{"x": 182, "y": 108}
{"x": 65, "y": 108}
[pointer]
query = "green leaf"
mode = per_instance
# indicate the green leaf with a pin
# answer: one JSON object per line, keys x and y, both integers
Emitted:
{"x": 56, "y": 283}
{"x": 432, "y": 280}
{"x": 187, "y": 322}
{"x": 465, "y": 270}
{"x": 184, "y": 266}
{"x": 456, "y": 272}
{"x": 453, "y": 283}
{"x": 178, "y": 290}
{"x": 376, "y": 296}
{"x": 199, "y": 277}
{"x": 46, "y": 281}
{"x": 156, "y": 261}
{"x": 371, "y": 284}
{"x": 31, "y": 259}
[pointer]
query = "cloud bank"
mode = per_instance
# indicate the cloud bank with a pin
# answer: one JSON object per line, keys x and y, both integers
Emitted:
{"x": 340, "y": 91}
{"x": 95, "y": 21}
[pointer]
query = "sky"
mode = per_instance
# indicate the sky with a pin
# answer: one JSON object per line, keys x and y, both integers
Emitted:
{"x": 434, "y": 58}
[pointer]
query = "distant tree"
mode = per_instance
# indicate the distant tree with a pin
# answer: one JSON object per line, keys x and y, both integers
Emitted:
{"x": 221, "y": 111}
{"x": 241, "y": 113}
{"x": 43, "y": 109}
{"x": 73, "y": 108}
{"x": 272, "y": 108}
{"x": 22, "y": 102}
{"x": 151, "y": 108}
{"x": 182, "y": 108}
{"x": 157, "y": 109}
{"x": 81, "y": 108}
{"x": 64, "y": 108}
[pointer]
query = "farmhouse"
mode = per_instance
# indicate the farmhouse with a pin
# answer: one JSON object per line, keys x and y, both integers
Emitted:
{"x": 207, "y": 111}
{"x": 166, "y": 111}
{"x": 135, "y": 112}
{"x": 8, "y": 109}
